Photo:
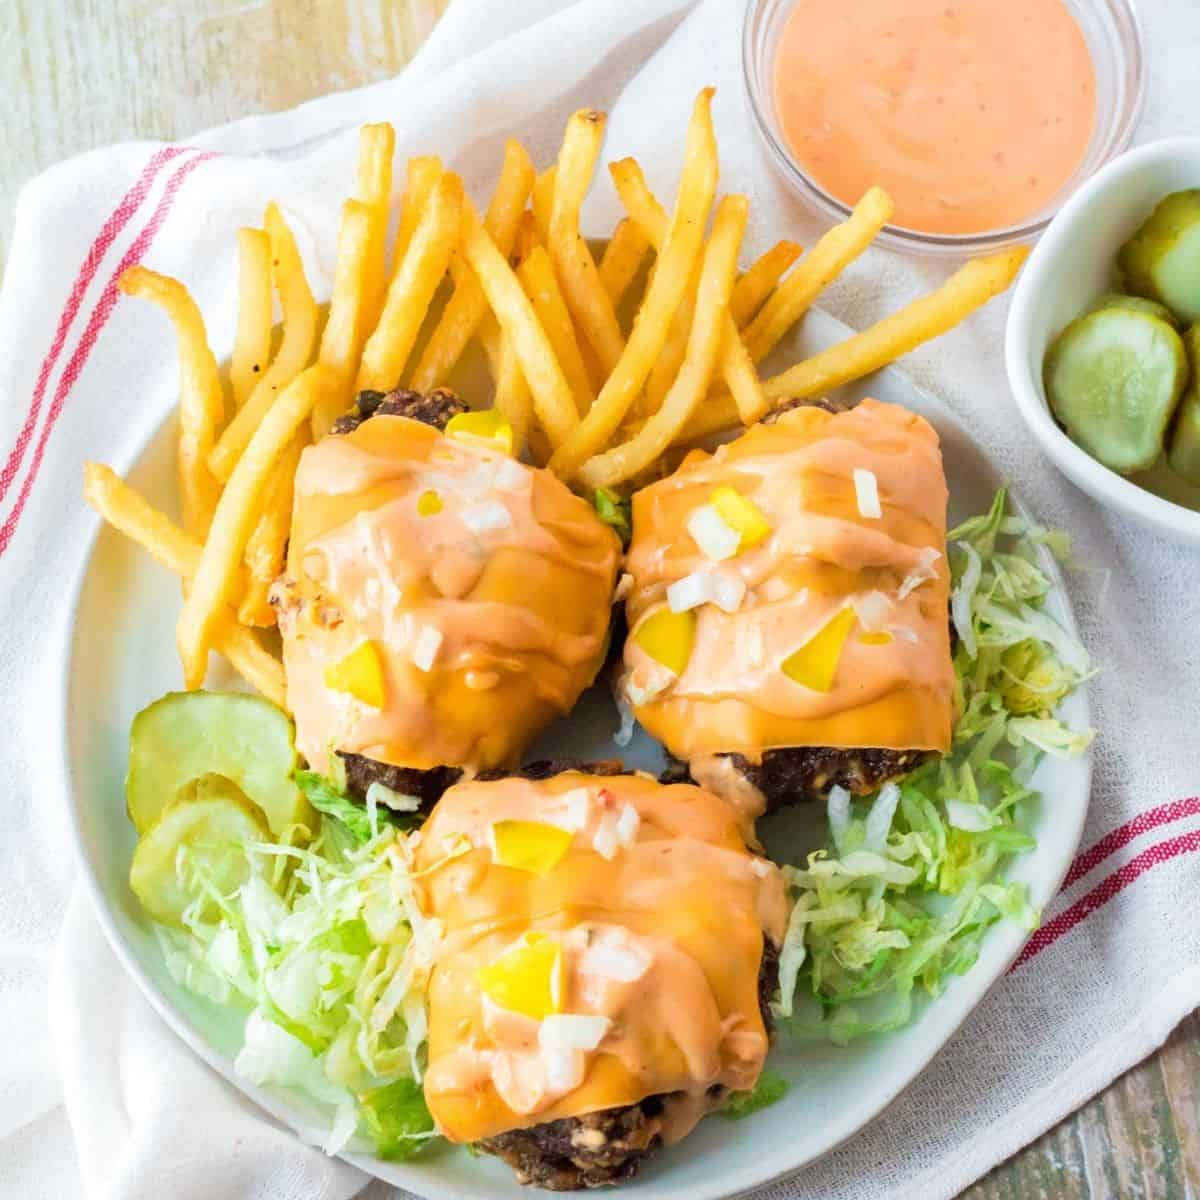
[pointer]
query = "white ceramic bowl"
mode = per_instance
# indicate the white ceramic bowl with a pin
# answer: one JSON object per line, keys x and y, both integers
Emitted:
{"x": 1073, "y": 264}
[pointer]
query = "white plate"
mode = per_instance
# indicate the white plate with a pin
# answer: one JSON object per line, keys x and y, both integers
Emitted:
{"x": 122, "y": 655}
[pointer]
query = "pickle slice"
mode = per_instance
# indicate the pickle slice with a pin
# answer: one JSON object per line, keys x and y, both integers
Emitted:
{"x": 1151, "y": 308}
{"x": 214, "y": 824}
{"x": 1183, "y": 443}
{"x": 1162, "y": 260}
{"x": 188, "y": 734}
{"x": 1113, "y": 379}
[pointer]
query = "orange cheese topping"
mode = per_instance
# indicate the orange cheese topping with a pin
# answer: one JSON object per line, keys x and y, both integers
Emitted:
{"x": 659, "y": 935}
{"x": 482, "y": 586}
{"x": 798, "y": 661}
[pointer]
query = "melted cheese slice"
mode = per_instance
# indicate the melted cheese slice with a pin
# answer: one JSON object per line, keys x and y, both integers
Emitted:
{"x": 822, "y": 555}
{"x": 408, "y": 540}
{"x": 682, "y": 901}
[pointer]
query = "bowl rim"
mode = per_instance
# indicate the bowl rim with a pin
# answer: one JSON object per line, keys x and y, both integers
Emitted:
{"x": 901, "y": 237}
{"x": 1025, "y": 384}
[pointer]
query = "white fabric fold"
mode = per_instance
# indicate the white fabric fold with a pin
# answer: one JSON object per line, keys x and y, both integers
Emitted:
{"x": 149, "y": 1119}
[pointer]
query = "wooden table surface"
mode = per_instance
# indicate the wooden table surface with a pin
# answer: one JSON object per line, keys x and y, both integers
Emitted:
{"x": 80, "y": 73}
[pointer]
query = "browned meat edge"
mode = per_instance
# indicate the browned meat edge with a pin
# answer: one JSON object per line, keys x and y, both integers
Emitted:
{"x": 430, "y": 408}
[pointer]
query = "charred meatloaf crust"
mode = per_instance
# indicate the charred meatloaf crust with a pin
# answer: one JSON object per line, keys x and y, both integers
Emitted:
{"x": 605, "y": 1147}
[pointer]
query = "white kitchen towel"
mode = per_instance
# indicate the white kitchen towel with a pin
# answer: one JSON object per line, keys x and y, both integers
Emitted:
{"x": 82, "y": 376}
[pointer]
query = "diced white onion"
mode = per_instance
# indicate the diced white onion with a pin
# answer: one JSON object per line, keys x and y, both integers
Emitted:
{"x": 564, "y": 1069}
{"x": 627, "y": 824}
{"x": 624, "y": 734}
{"x": 572, "y": 1031}
{"x": 902, "y": 633}
{"x": 866, "y": 492}
{"x": 511, "y": 476}
{"x": 716, "y": 539}
{"x": 578, "y": 803}
{"x": 486, "y": 516}
{"x": 707, "y": 587}
{"x": 380, "y": 793}
{"x": 623, "y": 964}
{"x": 426, "y": 647}
{"x": 872, "y": 611}
{"x": 921, "y": 573}
{"x": 624, "y": 587}
{"x": 476, "y": 483}
{"x": 605, "y": 841}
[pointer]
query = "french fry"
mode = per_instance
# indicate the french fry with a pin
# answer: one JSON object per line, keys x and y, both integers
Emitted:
{"x": 834, "y": 251}
{"x": 346, "y": 327}
{"x": 527, "y": 237}
{"x": 125, "y": 510}
{"x": 466, "y": 306}
{"x": 256, "y": 314}
{"x": 759, "y": 279}
{"x": 552, "y": 399}
{"x": 543, "y": 202}
{"x": 422, "y": 174}
{"x": 622, "y": 257}
{"x": 682, "y": 247}
{"x": 511, "y": 393}
{"x": 373, "y": 187}
{"x": 704, "y": 345}
{"x": 536, "y": 274}
{"x": 201, "y": 400}
{"x": 412, "y": 288}
{"x": 268, "y": 542}
{"x": 578, "y": 276}
{"x": 299, "y": 334}
{"x": 215, "y": 579}
{"x": 737, "y": 367}
{"x": 969, "y": 288}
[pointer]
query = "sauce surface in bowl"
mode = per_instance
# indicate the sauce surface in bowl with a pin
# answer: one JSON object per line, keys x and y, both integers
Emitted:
{"x": 971, "y": 113}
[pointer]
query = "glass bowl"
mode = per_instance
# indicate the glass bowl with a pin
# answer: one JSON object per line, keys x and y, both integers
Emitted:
{"x": 1115, "y": 40}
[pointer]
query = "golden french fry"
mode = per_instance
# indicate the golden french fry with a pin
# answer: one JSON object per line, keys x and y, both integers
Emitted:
{"x": 466, "y": 306}
{"x": 201, "y": 399}
{"x": 681, "y": 248}
{"x": 716, "y": 414}
{"x": 543, "y": 202}
{"x": 578, "y": 276}
{"x": 834, "y": 251}
{"x": 423, "y": 173}
{"x": 527, "y": 237}
{"x": 215, "y": 579}
{"x": 256, "y": 314}
{"x": 704, "y": 345}
{"x": 373, "y": 187}
{"x": 536, "y": 274}
{"x": 622, "y": 257}
{"x": 412, "y": 288}
{"x": 299, "y": 334}
{"x": 268, "y": 542}
{"x": 346, "y": 327}
{"x": 125, "y": 510}
{"x": 552, "y": 399}
{"x": 737, "y": 368}
{"x": 511, "y": 393}
{"x": 759, "y": 279}
{"x": 969, "y": 288}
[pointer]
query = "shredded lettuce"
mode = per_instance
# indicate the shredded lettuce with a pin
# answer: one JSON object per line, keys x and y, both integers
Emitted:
{"x": 771, "y": 1086}
{"x": 328, "y": 950}
{"x": 613, "y": 510}
{"x": 913, "y": 877}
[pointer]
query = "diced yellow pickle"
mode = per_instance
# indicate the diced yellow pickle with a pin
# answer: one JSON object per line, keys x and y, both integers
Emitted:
{"x": 488, "y": 428}
{"x": 527, "y": 979}
{"x": 429, "y": 504}
{"x": 668, "y": 637}
{"x": 741, "y": 513}
{"x": 532, "y": 846}
{"x": 815, "y": 664}
{"x": 360, "y": 673}
{"x": 882, "y": 638}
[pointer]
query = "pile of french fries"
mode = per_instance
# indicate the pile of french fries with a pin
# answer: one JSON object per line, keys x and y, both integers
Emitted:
{"x": 598, "y": 401}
